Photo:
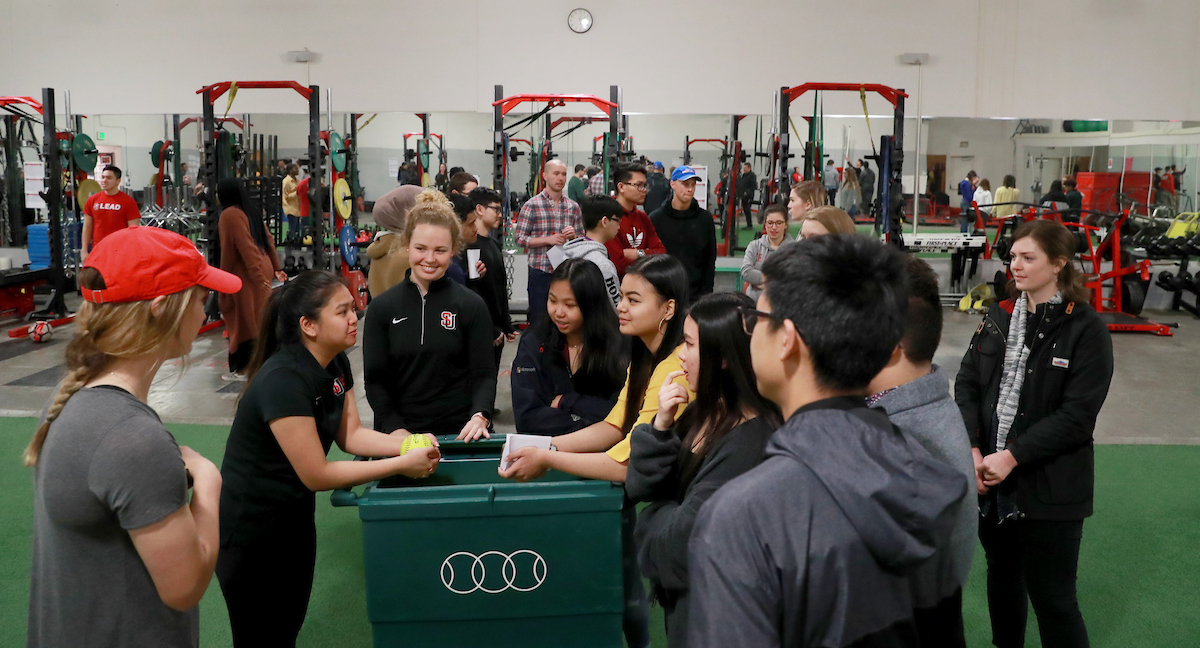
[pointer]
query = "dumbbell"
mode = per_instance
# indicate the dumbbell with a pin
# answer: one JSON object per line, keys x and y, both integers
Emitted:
{"x": 1003, "y": 249}
{"x": 1157, "y": 247}
{"x": 289, "y": 265}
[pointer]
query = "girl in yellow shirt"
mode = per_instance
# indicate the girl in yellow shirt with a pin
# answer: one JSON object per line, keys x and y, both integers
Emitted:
{"x": 654, "y": 302}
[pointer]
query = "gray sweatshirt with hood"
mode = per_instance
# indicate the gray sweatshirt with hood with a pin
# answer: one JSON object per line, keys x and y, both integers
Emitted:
{"x": 924, "y": 410}
{"x": 594, "y": 251}
{"x": 819, "y": 545}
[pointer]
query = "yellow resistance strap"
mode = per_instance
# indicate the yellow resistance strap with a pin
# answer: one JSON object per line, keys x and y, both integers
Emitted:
{"x": 862, "y": 93}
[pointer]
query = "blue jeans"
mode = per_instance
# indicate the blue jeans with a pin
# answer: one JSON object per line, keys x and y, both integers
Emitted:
{"x": 539, "y": 290}
{"x": 968, "y": 219}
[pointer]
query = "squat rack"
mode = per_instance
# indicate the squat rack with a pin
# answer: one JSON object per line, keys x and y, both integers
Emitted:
{"x": 888, "y": 209}
{"x": 424, "y": 140}
{"x": 217, "y": 168}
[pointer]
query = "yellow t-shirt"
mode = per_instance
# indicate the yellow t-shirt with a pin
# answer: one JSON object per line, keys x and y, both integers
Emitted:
{"x": 649, "y": 409}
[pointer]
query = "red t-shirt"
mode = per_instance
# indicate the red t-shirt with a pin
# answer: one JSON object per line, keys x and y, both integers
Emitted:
{"x": 637, "y": 232}
{"x": 302, "y": 194}
{"x": 110, "y": 213}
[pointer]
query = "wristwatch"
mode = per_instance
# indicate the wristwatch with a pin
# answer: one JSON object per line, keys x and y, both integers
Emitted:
{"x": 641, "y": 253}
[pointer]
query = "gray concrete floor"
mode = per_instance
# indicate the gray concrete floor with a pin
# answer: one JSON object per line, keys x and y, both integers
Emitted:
{"x": 1149, "y": 400}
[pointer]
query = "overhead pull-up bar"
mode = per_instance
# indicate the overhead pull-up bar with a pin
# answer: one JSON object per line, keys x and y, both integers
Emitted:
{"x": 891, "y": 94}
{"x": 508, "y": 103}
{"x": 218, "y": 89}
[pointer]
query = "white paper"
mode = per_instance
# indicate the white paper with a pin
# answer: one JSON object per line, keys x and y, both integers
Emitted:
{"x": 472, "y": 259}
{"x": 35, "y": 171}
{"x": 514, "y": 442}
{"x": 35, "y": 184}
{"x": 393, "y": 167}
{"x": 556, "y": 255}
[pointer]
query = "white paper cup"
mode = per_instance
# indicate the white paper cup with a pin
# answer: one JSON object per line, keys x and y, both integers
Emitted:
{"x": 5, "y": 263}
{"x": 472, "y": 259}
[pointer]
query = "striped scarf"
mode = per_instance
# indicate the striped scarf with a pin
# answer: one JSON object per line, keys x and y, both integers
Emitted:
{"x": 1016, "y": 354}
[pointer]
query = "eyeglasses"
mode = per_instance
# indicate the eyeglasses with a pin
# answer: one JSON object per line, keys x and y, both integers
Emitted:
{"x": 640, "y": 186}
{"x": 775, "y": 223}
{"x": 495, "y": 208}
{"x": 751, "y": 316}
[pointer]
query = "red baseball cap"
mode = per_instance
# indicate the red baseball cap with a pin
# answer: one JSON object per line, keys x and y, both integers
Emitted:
{"x": 141, "y": 263}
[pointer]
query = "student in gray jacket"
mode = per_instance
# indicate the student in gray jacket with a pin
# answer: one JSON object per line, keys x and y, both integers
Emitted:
{"x": 818, "y": 544}
{"x": 601, "y": 222}
{"x": 681, "y": 459}
{"x": 916, "y": 396}
{"x": 760, "y": 248}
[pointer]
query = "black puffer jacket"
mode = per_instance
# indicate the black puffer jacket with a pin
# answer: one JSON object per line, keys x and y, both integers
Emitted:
{"x": 1067, "y": 376}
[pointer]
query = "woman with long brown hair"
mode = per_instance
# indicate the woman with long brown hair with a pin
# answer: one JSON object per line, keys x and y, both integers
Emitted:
{"x": 1029, "y": 389}
{"x": 120, "y": 555}
{"x": 247, "y": 252}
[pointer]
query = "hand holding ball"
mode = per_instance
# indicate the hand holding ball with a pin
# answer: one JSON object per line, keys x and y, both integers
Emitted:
{"x": 415, "y": 441}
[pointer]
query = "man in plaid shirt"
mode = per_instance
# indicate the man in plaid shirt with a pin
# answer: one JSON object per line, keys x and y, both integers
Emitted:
{"x": 596, "y": 183}
{"x": 548, "y": 219}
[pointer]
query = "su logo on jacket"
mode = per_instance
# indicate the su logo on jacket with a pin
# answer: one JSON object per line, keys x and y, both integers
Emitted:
{"x": 339, "y": 387}
{"x": 449, "y": 320}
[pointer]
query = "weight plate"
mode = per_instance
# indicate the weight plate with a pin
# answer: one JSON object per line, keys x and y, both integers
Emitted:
{"x": 156, "y": 152}
{"x": 347, "y": 239}
{"x": 423, "y": 153}
{"x": 83, "y": 149}
{"x": 85, "y": 190}
{"x": 1133, "y": 295}
{"x": 337, "y": 151}
{"x": 343, "y": 198}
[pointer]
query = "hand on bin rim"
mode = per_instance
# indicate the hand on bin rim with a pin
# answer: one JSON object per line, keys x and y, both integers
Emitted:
{"x": 476, "y": 428}
{"x": 528, "y": 463}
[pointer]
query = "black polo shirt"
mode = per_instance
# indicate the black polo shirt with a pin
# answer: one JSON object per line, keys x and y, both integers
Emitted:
{"x": 260, "y": 487}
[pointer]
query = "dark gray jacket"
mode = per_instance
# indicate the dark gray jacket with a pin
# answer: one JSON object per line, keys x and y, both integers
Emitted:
{"x": 817, "y": 545}
{"x": 924, "y": 410}
{"x": 663, "y": 527}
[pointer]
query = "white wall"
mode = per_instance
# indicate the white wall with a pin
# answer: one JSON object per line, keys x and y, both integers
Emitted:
{"x": 1113, "y": 59}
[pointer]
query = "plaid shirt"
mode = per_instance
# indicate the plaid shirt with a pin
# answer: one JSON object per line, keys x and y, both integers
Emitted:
{"x": 596, "y": 185}
{"x": 540, "y": 217}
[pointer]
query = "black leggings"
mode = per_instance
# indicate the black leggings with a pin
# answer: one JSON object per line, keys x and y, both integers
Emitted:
{"x": 1033, "y": 561}
{"x": 267, "y": 585}
{"x": 239, "y": 358}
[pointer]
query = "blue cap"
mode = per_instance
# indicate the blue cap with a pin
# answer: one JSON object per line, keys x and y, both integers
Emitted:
{"x": 658, "y": 165}
{"x": 683, "y": 173}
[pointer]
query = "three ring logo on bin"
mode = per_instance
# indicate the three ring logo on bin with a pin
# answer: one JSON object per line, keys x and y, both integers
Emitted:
{"x": 493, "y": 572}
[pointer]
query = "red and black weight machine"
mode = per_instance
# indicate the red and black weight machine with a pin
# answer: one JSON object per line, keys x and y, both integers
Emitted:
{"x": 421, "y": 153}
{"x": 78, "y": 151}
{"x": 502, "y": 149}
{"x": 888, "y": 210}
{"x": 1125, "y": 281}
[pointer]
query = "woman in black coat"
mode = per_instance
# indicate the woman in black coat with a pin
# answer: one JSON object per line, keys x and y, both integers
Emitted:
{"x": 570, "y": 366}
{"x": 676, "y": 465}
{"x": 1030, "y": 388}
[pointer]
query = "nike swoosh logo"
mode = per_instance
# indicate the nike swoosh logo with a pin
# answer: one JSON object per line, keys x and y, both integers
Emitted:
{"x": 397, "y": 321}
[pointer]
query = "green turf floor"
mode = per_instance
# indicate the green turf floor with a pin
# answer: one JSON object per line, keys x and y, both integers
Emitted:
{"x": 1138, "y": 569}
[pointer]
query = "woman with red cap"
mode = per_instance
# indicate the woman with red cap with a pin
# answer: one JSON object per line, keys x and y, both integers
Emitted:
{"x": 120, "y": 555}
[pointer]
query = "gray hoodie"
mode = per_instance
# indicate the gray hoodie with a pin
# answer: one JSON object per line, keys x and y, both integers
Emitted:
{"x": 818, "y": 545}
{"x": 594, "y": 251}
{"x": 757, "y": 252}
{"x": 925, "y": 410}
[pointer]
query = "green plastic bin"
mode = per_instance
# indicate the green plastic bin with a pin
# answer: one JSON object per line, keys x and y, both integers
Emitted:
{"x": 466, "y": 558}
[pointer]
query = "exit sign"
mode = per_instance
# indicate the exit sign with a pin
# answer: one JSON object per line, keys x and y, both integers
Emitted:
{"x": 99, "y": 136}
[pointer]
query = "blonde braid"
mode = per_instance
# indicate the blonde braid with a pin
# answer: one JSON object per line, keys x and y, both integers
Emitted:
{"x": 66, "y": 389}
